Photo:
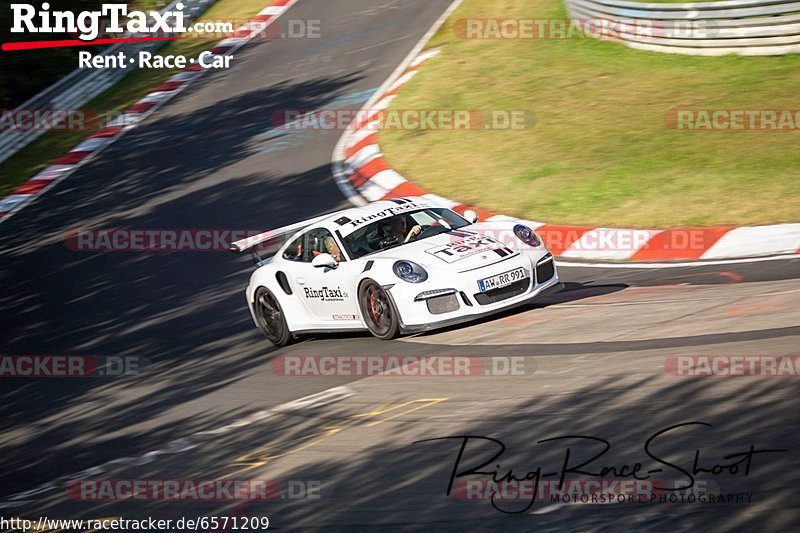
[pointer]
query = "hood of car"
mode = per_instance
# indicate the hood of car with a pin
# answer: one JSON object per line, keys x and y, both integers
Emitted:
{"x": 456, "y": 250}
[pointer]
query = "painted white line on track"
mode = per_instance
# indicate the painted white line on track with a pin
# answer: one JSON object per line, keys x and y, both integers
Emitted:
{"x": 182, "y": 444}
{"x": 403, "y": 38}
{"x": 779, "y": 292}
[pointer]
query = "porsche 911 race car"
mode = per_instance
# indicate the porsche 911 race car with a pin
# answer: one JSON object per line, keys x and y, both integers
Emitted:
{"x": 395, "y": 266}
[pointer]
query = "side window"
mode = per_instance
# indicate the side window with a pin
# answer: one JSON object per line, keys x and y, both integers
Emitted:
{"x": 312, "y": 243}
{"x": 320, "y": 241}
{"x": 295, "y": 250}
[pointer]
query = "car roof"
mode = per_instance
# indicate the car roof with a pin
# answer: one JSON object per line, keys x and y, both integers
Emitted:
{"x": 349, "y": 220}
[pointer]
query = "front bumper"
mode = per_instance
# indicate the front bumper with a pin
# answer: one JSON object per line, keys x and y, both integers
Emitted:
{"x": 463, "y": 301}
{"x": 406, "y": 328}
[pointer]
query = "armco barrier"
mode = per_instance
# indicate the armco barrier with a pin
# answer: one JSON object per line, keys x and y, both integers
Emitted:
{"x": 81, "y": 85}
{"x": 744, "y": 27}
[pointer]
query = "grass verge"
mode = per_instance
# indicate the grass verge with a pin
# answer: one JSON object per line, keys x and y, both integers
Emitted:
{"x": 600, "y": 151}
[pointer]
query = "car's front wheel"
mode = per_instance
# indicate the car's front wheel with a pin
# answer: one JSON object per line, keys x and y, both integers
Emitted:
{"x": 378, "y": 311}
{"x": 269, "y": 316}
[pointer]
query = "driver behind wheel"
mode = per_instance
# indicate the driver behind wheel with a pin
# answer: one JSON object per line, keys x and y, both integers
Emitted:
{"x": 398, "y": 229}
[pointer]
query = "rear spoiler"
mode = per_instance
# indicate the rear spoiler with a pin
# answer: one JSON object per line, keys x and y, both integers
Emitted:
{"x": 269, "y": 242}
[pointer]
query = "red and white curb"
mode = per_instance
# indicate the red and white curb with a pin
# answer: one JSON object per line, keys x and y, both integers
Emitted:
{"x": 115, "y": 129}
{"x": 364, "y": 176}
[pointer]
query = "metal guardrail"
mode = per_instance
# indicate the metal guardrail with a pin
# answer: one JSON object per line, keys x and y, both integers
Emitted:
{"x": 80, "y": 86}
{"x": 744, "y": 27}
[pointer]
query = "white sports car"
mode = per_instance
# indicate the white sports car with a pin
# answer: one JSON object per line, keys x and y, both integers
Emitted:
{"x": 395, "y": 266}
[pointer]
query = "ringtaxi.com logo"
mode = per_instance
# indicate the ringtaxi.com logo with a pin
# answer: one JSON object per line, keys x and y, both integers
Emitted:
{"x": 413, "y": 366}
{"x": 87, "y": 24}
{"x": 282, "y": 28}
{"x": 70, "y": 366}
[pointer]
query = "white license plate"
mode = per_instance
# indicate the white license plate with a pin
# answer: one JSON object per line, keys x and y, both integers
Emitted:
{"x": 501, "y": 280}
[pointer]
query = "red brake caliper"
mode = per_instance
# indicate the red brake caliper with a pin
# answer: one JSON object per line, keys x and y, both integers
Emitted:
{"x": 372, "y": 306}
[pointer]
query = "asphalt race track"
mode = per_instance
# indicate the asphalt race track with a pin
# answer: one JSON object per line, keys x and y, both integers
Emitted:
{"x": 594, "y": 354}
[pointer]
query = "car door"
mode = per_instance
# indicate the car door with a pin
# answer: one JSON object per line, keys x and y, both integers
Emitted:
{"x": 325, "y": 292}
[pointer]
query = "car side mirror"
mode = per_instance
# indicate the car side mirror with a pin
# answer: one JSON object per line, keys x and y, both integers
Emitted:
{"x": 471, "y": 216}
{"x": 324, "y": 260}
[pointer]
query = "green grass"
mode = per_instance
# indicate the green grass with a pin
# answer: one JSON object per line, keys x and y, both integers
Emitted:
{"x": 600, "y": 152}
{"x": 52, "y": 145}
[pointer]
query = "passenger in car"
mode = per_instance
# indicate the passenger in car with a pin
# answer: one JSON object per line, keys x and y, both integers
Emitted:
{"x": 333, "y": 248}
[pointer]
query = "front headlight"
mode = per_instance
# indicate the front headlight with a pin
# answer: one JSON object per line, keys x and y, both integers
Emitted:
{"x": 409, "y": 271}
{"x": 527, "y": 235}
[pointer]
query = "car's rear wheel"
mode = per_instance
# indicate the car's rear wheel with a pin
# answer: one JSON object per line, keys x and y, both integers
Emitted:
{"x": 269, "y": 316}
{"x": 378, "y": 311}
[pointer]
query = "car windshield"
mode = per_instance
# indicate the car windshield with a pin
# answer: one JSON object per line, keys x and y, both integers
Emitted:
{"x": 395, "y": 231}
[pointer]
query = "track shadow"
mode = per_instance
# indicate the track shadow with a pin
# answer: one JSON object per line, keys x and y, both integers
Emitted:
{"x": 181, "y": 311}
{"x": 397, "y": 484}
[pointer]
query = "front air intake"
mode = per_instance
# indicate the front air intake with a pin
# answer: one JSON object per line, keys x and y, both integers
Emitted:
{"x": 442, "y": 304}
